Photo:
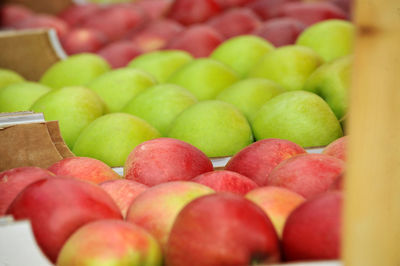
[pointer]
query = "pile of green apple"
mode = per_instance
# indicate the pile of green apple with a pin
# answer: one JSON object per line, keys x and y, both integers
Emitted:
{"x": 246, "y": 90}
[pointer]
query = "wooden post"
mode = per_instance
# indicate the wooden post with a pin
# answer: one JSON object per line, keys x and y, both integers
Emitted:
{"x": 371, "y": 234}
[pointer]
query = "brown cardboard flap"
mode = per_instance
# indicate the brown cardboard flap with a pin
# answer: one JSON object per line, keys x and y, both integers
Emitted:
{"x": 30, "y": 52}
{"x": 43, "y": 6}
{"x": 55, "y": 134}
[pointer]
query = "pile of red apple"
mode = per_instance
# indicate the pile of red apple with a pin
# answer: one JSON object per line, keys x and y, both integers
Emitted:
{"x": 272, "y": 202}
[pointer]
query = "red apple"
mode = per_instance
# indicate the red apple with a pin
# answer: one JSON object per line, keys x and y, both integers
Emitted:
{"x": 312, "y": 231}
{"x": 225, "y": 4}
{"x": 307, "y": 174}
{"x": 338, "y": 183}
{"x": 45, "y": 22}
{"x": 235, "y": 22}
{"x": 198, "y": 40}
{"x": 155, "y": 9}
{"x": 267, "y": 9}
{"x": 337, "y": 148}
{"x": 13, "y": 181}
{"x": 280, "y": 31}
{"x": 190, "y": 12}
{"x": 277, "y": 202}
{"x": 57, "y": 206}
{"x": 74, "y": 15}
{"x": 120, "y": 53}
{"x": 123, "y": 192}
{"x": 257, "y": 160}
{"x": 226, "y": 181}
{"x": 84, "y": 168}
{"x": 222, "y": 229}
{"x": 82, "y": 40}
{"x": 165, "y": 159}
{"x": 157, "y": 207}
{"x": 12, "y": 14}
{"x": 110, "y": 242}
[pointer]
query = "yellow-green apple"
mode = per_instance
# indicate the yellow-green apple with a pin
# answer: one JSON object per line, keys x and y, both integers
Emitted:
{"x": 84, "y": 168}
{"x": 112, "y": 137}
{"x": 277, "y": 202}
{"x": 337, "y": 148}
{"x": 81, "y": 40}
{"x": 215, "y": 127}
{"x": 75, "y": 14}
{"x": 73, "y": 107}
{"x": 160, "y": 105}
{"x": 248, "y": 95}
{"x": 12, "y": 14}
{"x": 156, "y": 208}
{"x": 123, "y": 192}
{"x": 331, "y": 39}
{"x": 13, "y": 181}
{"x": 222, "y": 229}
{"x": 299, "y": 116}
{"x": 241, "y": 53}
{"x": 8, "y": 77}
{"x": 165, "y": 159}
{"x": 119, "y": 53}
{"x": 226, "y": 181}
{"x": 313, "y": 230}
{"x": 76, "y": 70}
{"x": 331, "y": 82}
{"x": 161, "y": 64}
{"x": 58, "y": 206}
{"x": 190, "y": 12}
{"x": 204, "y": 77}
{"x": 20, "y": 96}
{"x": 289, "y": 66}
{"x": 307, "y": 174}
{"x": 119, "y": 86}
{"x": 257, "y": 160}
{"x": 110, "y": 242}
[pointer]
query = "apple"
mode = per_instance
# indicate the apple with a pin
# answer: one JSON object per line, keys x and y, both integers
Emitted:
{"x": 74, "y": 15}
{"x": 116, "y": 88}
{"x": 160, "y": 105}
{"x": 225, "y": 4}
{"x": 20, "y": 96}
{"x": 110, "y": 242}
{"x": 161, "y": 64}
{"x": 13, "y": 181}
{"x": 248, "y": 95}
{"x": 280, "y": 31}
{"x": 277, "y": 202}
{"x": 226, "y": 181}
{"x": 257, "y": 160}
{"x": 12, "y": 14}
{"x": 119, "y": 53}
{"x": 313, "y": 230}
{"x": 73, "y": 107}
{"x": 80, "y": 40}
{"x": 307, "y": 174}
{"x": 337, "y": 148}
{"x": 8, "y": 77}
{"x": 199, "y": 40}
{"x": 234, "y": 22}
{"x": 204, "y": 77}
{"x": 190, "y": 12}
{"x": 331, "y": 39}
{"x": 241, "y": 53}
{"x": 155, "y": 9}
{"x": 110, "y": 138}
{"x": 267, "y": 9}
{"x": 298, "y": 116}
{"x": 39, "y": 21}
{"x": 215, "y": 127}
{"x": 338, "y": 184}
{"x": 58, "y": 206}
{"x": 165, "y": 159}
{"x": 289, "y": 66}
{"x": 76, "y": 70}
{"x": 222, "y": 229}
{"x": 156, "y": 208}
{"x": 123, "y": 192}
{"x": 84, "y": 168}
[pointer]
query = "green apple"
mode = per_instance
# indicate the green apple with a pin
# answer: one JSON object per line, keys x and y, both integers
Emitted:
{"x": 8, "y": 77}
{"x": 204, "y": 77}
{"x": 248, "y": 95}
{"x": 299, "y": 116}
{"x": 76, "y": 70}
{"x": 242, "y": 52}
{"x": 331, "y": 38}
{"x": 112, "y": 137}
{"x": 289, "y": 66}
{"x": 20, "y": 96}
{"x": 118, "y": 87}
{"x": 160, "y": 105}
{"x": 161, "y": 64}
{"x": 331, "y": 81}
{"x": 73, "y": 107}
{"x": 215, "y": 127}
